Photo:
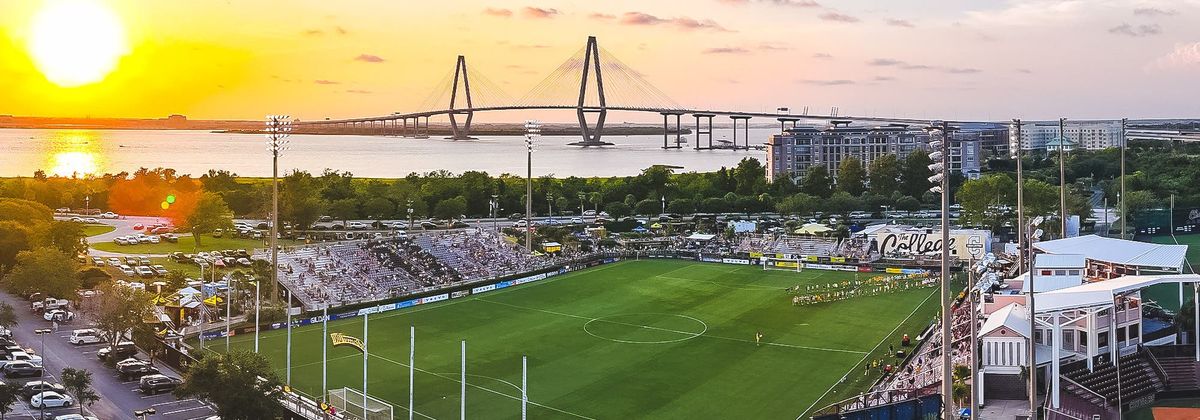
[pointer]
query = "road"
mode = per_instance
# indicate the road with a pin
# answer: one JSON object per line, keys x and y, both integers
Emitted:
{"x": 118, "y": 399}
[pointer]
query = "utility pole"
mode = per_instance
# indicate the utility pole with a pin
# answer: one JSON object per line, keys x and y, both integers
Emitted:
{"x": 1122, "y": 198}
{"x": 1062, "y": 177}
{"x": 1020, "y": 199}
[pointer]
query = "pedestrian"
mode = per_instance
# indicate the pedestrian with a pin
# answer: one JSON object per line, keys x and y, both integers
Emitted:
{"x": 54, "y": 326}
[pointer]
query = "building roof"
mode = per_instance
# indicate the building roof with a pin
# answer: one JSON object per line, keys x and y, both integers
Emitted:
{"x": 1101, "y": 293}
{"x": 1014, "y": 316}
{"x": 1118, "y": 251}
{"x": 1060, "y": 261}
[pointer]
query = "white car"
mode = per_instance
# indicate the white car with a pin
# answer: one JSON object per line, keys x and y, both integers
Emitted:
{"x": 77, "y": 219}
{"x": 85, "y": 336}
{"x": 160, "y": 270}
{"x": 91, "y": 220}
{"x": 356, "y": 225}
{"x": 577, "y": 220}
{"x": 58, "y": 315}
{"x": 144, "y": 271}
{"x": 127, "y": 270}
{"x": 114, "y": 261}
{"x": 589, "y": 212}
{"x": 51, "y": 399}
{"x": 75, "y": 417}
{"x": 20, "y": 356}
{"x": 109, "y": 215}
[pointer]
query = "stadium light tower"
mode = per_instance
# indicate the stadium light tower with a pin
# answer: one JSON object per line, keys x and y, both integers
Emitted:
{"x": 278, "y": 128}
{"x": 533, "y": 130}
{"x": 939, "y": 142}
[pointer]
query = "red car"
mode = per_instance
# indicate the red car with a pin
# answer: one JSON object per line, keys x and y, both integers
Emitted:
{"x": 138, "y": 226}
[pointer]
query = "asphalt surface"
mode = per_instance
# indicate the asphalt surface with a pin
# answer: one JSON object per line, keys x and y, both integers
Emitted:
{"x": 118, "y": 399}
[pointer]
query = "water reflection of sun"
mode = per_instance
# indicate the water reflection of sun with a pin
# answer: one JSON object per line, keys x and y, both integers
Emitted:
{"x": 74, "y": 153}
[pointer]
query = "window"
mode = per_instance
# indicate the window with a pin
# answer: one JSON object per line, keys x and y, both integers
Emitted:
{"x": 1074, "y": 272}
{"x": 1120, "y": 334}
{"x": 1083, "y": 339}
{"x": 1060, "y": 272}
{"x": 1134, "y": 332}
{"x": 1037, "y": 336}
{"x": 1046, "y": 272}
{"x": 1102, "y": 340}
{"x": 1068, "y": 339}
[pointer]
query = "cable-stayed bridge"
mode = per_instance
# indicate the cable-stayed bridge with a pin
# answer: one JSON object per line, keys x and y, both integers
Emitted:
{"x": 591, "y": 82}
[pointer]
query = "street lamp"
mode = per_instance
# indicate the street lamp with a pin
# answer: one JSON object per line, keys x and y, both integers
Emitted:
{"x": 533, "y": 130}
{"x": 550, "y": 208}
{"x": 278, "y": 128}
{"x": 142, "y": 414}
{"x": 495, "y": 207}
{"x": 410, "y": 214}
{"x": 45, "y": 358}
{"x": 581, "y": 195}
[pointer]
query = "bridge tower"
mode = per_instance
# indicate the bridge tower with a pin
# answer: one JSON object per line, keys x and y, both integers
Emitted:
{"x": 591, "y": 64}
{"x": 461, "y": 133}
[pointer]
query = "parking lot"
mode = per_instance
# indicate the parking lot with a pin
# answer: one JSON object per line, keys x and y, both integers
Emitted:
{"x": 118, "y": 398}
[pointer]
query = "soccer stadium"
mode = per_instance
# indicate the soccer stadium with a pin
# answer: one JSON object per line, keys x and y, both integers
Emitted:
{"x": 669, "y": 330}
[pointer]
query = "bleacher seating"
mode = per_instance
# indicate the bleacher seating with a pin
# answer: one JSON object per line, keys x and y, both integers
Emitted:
{"x": 1138, "y": 377}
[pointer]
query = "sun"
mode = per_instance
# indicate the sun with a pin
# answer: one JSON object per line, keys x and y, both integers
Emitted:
{"x": 76, "y": 42}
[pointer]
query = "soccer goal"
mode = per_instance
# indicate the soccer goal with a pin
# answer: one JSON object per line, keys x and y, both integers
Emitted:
{"x": 783, "y": 264}
{"x": 349, "y": 402}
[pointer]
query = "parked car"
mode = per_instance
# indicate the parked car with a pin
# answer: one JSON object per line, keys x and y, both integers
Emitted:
{"x": 77, "y": 219}
{"x": 91, "y": 220}
{"x": 121, "y": 351}
{"x": 36, "y": 387}
{"x": 136, "y": 370}
{"x": 127, "y": 270}
{"x": 78, "y": 417}
{"x": 58, "y": 315}
{"x": 144, "y": 271}
{"x": 21, "y": 356}
{"x": 156, "y": 383}
{"x": 109, "y": 215}
{"x": 51, "y": 399}
{"x": 18, "y": 369}
{"x": 356, "y": 225}
{"x": 159, "y": 269}
{"x": 85, "y": 336}
{"x": 97, "y": 261}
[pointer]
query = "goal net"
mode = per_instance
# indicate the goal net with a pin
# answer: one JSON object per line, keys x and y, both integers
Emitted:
{"x": 349, "y": 402}
{"x": 784, "y": 264}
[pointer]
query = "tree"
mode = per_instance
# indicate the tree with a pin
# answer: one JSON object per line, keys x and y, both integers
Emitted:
{"x": 64, "y": 236}
{"x": 120, "y": 310}
{"x": 8, "y": 316}
{"x": 816, "y": 182}
{"x": 884, "y": 175}
{"x": 914, "y": 177}
{"x": 907, "y": 203}
{"x": 211, "y": 213}
{"x": 1139, "y": 201}
{"x": 979, "y": 197}
{"x": 14, "y": 238}
{"x": 749, "y": 176}
{"x": 10, "y": 393}
{"x": 840, "y": 202}
{"x": 648, "y": 207}
{"x": 851, "y": 176}
{"x": 378, "y": 207}
{"x": 231, "y": 382}
{"x": 451, "y": 209}
{"x": 79, "y": 383}
{"x": 797, "y": 204}
{"x": 299, "y": 200}
{"x": 343, "y": 209}
{"x": 617, "y": 210}
{"x": 44, "y": 270}
{"x": 681, "y": 206}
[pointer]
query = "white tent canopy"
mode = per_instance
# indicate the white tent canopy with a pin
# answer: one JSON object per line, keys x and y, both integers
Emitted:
{"x": 1102, "y": 293}
{"x": 700, "y": 237}
{"x": 1118, "y": 251}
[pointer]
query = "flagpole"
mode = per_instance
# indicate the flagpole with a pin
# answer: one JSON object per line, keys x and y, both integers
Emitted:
{"x": 412, "y": 346}
{"x": 524, "y": 384}
{"x": 463, "y": 385}
{"x": 288, "y": 307}
{"x": 366, "y": 317}
{"x": 325, "y": 354}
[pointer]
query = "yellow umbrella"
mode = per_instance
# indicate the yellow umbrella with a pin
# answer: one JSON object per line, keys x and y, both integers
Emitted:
{"x": 812, "y": 229}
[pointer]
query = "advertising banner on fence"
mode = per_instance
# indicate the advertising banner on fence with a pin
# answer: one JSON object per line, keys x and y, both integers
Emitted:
{"x": 738, "y": 261}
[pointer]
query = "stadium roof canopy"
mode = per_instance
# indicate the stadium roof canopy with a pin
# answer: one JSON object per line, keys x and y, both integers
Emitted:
{"x": 701, "y": 237}
{"x": 1117, "y": 251}
{"x": 1102, "y": 293}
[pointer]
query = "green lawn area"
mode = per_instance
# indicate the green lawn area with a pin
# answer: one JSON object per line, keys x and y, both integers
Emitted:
{"x": 1167, "y": 295}
{"x": 637, "y": 339}
{"x": 1192, "y": 241}
{"x": 186, "y": 244}
{"x": 96, "y": 229}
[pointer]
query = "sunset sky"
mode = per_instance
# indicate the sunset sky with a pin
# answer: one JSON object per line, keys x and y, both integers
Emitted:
{"x": 979, "y": 59}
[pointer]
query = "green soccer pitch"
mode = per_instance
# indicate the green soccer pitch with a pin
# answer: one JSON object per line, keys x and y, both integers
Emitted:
{"x": 635, "y": 339}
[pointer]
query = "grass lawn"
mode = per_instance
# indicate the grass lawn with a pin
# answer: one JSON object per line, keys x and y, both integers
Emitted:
{"x": 97, "y": 229}
{"x": 187, "y": 244}
{"x": 1192, "y": 241}
{"x": 1167, "y": 295}
{"x": 636, "y": 339}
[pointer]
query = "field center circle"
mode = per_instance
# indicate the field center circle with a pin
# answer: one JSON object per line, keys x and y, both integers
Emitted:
{"x": 645, "y": 328}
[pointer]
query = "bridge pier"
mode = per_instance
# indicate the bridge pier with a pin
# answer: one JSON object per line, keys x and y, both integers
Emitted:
{"x": 745, "y": 119}
{"x": 783, "y": 121}
{"x": 464, "y": 132}
{"x": 591, "y": 63}
{"x": 666, "y": 131}
{"x": 705, "y": 131}
{"x": 422, "y": 131}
